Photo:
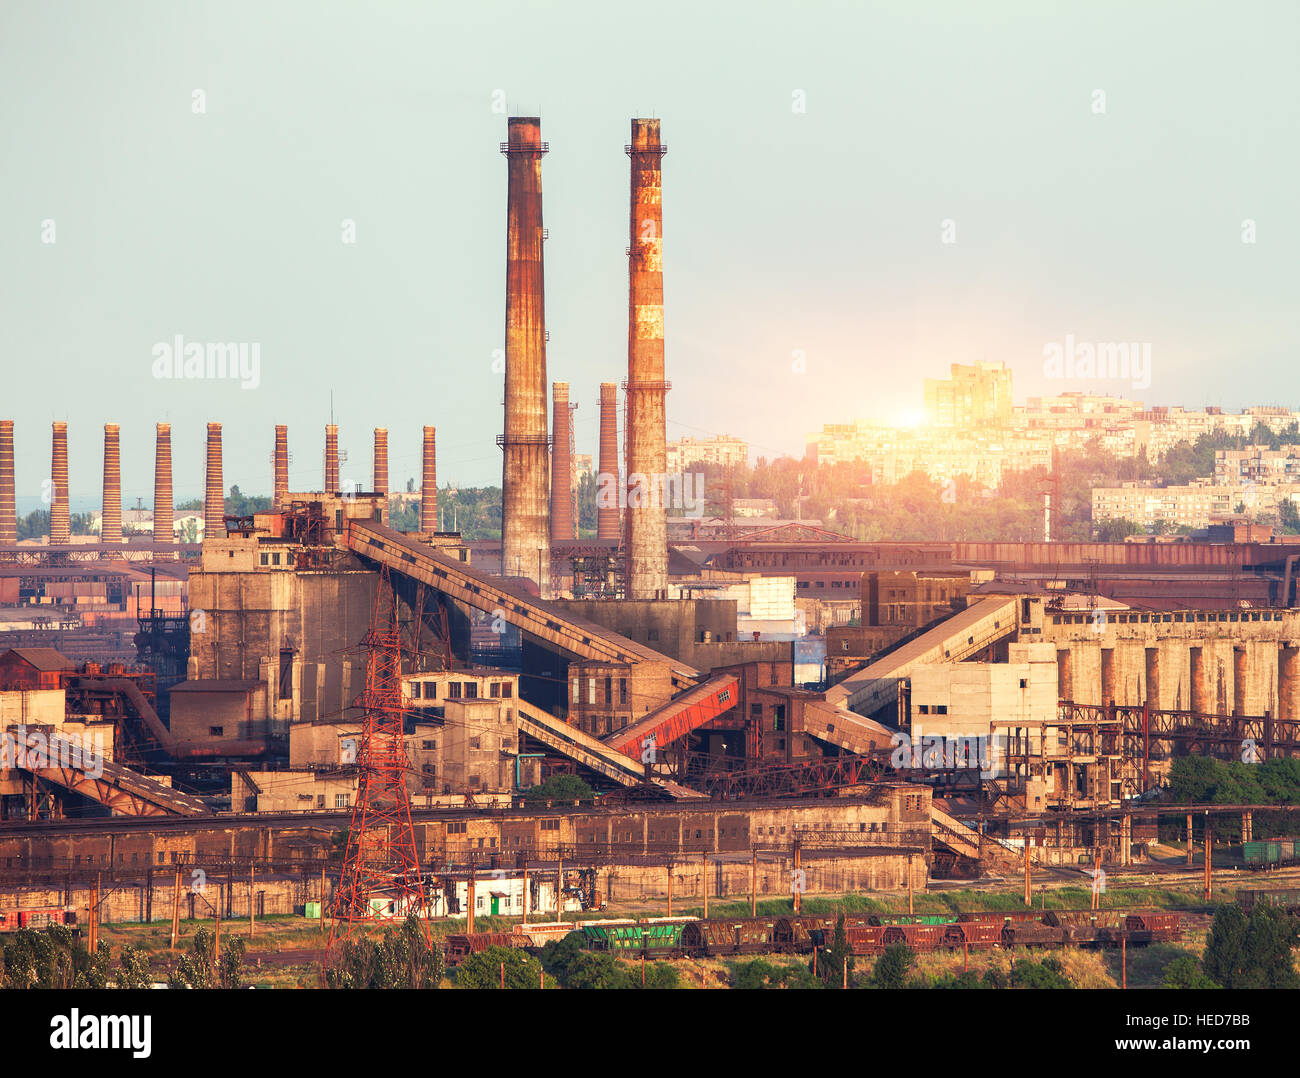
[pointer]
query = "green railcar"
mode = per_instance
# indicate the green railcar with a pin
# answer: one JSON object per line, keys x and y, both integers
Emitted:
{"x": 653, "y": 938}
{"x": 1261, "y": 854}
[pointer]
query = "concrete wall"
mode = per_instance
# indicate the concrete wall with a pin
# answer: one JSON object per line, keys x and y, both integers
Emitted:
{"x": 1217, "y": 661}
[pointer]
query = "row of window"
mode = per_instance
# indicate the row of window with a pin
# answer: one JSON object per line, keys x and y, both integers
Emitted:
{"x": 608, "y": 691}
{"x": 1143, "y": 619}
{"x": 461, "y": 690}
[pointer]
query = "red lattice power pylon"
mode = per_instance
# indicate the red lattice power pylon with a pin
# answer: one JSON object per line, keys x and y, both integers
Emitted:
{"x": 381, "y": 864}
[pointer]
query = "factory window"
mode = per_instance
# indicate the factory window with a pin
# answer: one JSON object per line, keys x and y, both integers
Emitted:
{"x": 622, "y": 691}
{"x": 429, "y": 746}
{"x": 591, "y": 690}
{"x": 755, "y": 711}
{"x": 471, "y": 690}
{"x": 609, "y": 691}
{"x": 415, "y": 690}
{"x": 1024, "y": 683}
{"x": 286, "y": 674}
{"x": 216, "y": 731}
{"x": 230, "y": 553}
{"x": 473, "y": 742}
{"x": 264, "y": 559}
{"x": 494, "y": 690}
{"x": 550, "y": 825}
{"x": 923, "y": 709}
{"x": 941, "y": 709}
{"x": 507, "y": 690}
{"x": 430, "y": 690}
{"x": 453, "y": 690}
{"x": 778, "y": 723}
{"x": 836, "y": 584}
{"x": 340, "y": 801}
{"x": 653, "y": 634}
{"x": 456, "y": 828}
{"x": 577, "y": 690}
{"x": 821, "y": 583}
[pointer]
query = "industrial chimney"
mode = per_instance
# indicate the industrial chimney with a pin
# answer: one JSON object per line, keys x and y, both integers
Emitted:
{"x": 607, "y": 512}
{"x": 331, "y": 459}
{"x": 214, "y": 498}
{"x": 60, "y": 522}
{"x": 8, "y": 507}
{"x": 381, "y": 460}
{"x": 280, "y": 482}
{"x": 162, "y": 486}
{"x": 429, "y": 484}
{"x": 562, "y": 523}
{"x": 647, "y": 452}
{"x": 525, "y": 509}
{"x": 110, "y": 527}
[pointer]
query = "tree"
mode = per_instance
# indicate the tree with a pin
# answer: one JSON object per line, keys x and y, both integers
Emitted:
{"x": 594, "y": 970}
{"x": 893, "y": 966}
{"x": 761, "y": 974}
{"x": 560, "y": 788}
{"x": 1251, "y": 952}
{"x": 400, "y": 957}
{"x": 831, "y": 965}
{"x": 1045, "y": 974}
{"x": 52, "y": 958}
{"x": 484, "y": 970}
{"x": 134, "y": 971}
{"x": 203, "y": 968}
{"x": 1185, "y": 972}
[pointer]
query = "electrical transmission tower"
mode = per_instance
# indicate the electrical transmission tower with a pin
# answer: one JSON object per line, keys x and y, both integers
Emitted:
{"x": 381, "y": 864}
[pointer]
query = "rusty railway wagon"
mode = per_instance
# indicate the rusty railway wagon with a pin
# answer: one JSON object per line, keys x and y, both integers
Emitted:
{"x": 461, "y": 945}
{"x": 727, "y": 936}
{"x": 1285, "y": 898}
{"x": 799, "y": 935}
{"x": 1153, "y": 927}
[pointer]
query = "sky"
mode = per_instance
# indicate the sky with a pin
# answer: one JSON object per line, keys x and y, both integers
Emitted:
{"x": 856, "y": 196}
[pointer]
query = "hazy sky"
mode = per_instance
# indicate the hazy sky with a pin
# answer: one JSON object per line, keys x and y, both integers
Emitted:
{"x": 816, "y": 230}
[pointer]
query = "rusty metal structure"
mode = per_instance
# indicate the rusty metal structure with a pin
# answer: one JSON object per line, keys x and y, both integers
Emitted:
{"x": 525, "y": 494}
{"x": 429, "y": 483}
{"x": 60, "y": 522}
{"x": 214, "y": 491}
{"x": 280, "y": 495}
{"x": 608, "y": 516}
{"x": 111, "y": 524}
{"x": 646, "y": 388}
{"x": 562, "y": 507}
{"x": 381, "y": 461}
{"x": 381, "y": 861}
{"x": 8, "y": 510}
{"x": 331, "y": 459}
{"x": 163, "y": 511}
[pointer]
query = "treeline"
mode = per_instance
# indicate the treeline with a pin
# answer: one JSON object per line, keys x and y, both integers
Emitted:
{"x": 1203, "y": 780}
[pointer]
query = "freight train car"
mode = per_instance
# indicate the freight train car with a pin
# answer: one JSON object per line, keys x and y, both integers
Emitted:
{"x": 1285, "y": 898}
{"x": 655, "y": 939}
{"x": 1270, "y": 853}
{"x": 38, "y": 917}
{"x": 460, "y": 945}
{"x": 721, "y": 936}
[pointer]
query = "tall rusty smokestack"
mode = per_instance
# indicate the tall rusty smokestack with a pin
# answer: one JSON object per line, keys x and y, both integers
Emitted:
{"x": 525, "y": 482}
{"x": 647, "y": 451}
{"x": 280, "y": 482}
{"x": 562, "y": 524}
{"x": 214, "y": 495}
{"x": 607, "y": 516}
{"x": 381, "y": 460}
{"x": 8, "y": 506}
{"x": 163, "y": 511}
{"x": 331, "y": 459}
{"x": 429, "y": 484}
{"x": 110, "y": 526}
{"x": 60, "y": 522}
